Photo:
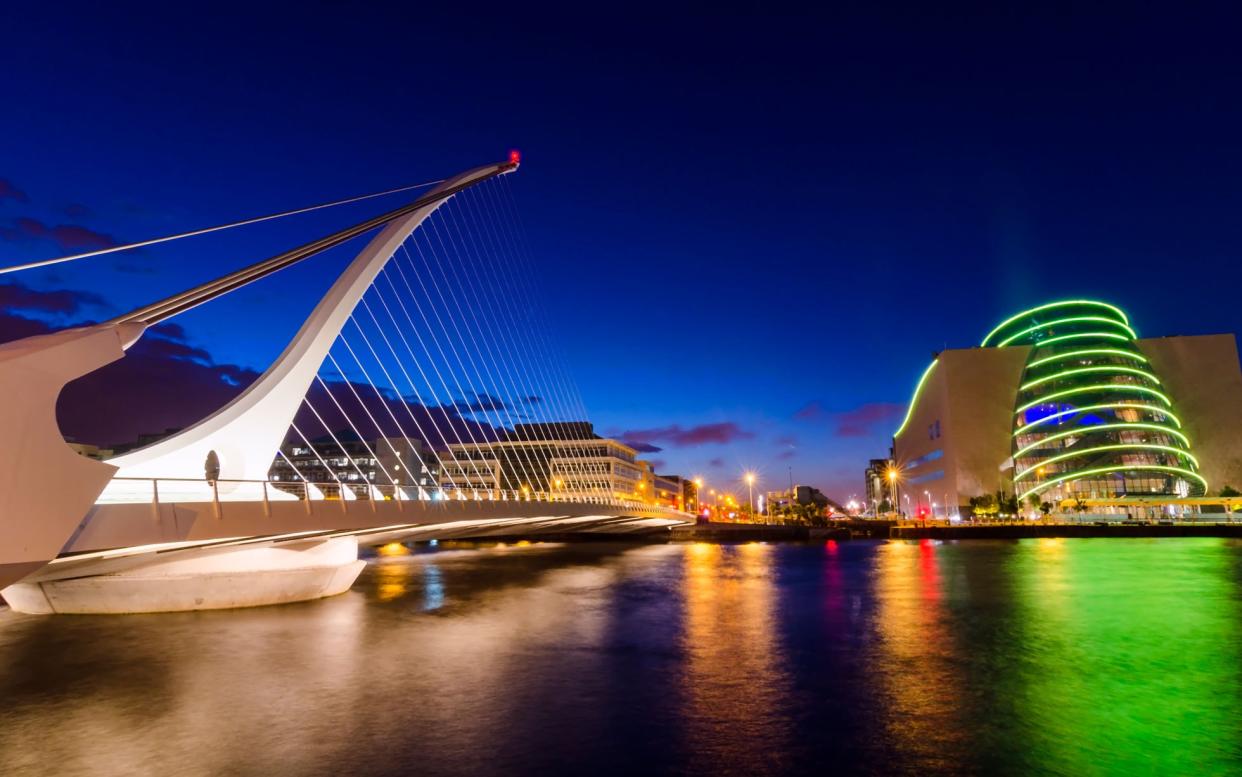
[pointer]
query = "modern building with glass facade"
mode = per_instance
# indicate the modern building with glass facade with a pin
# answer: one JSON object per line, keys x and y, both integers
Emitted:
{"x": 1065, "y": 401}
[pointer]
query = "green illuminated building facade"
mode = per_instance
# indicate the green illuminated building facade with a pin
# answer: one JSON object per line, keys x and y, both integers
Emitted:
{"x": 1065, "y": 401}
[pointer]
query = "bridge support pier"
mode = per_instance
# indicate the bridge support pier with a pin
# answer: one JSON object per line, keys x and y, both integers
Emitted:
{"x": 208, "y": 578}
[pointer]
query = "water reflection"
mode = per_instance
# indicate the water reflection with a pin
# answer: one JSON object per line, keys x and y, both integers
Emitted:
{"x": 1138, "y": 666}
{"x": 734, "y": 684}
{"x": 1034, "y": 657}
{"x": 916, "y": 664}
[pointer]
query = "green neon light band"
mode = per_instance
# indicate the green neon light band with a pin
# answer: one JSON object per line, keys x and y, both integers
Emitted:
{"x": 1119, "y": 468}
{"x": 1050, "y": 305}
{"x": 1081, "y": 335}
{"x": 1071, "y": 320}
{"x": 1098, "y": 387}
{"x": 914, "y": 399}
{"x": 1100, "y": 368}
{"x": 1106, "y": 406}
{"x": 1085, "y": 430}
{"x": 1098, "y": 448}
{"x": 1084, "y": 352}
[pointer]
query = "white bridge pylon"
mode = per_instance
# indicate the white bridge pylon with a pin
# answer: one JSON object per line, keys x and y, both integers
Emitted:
{"x": 247, "y": 432}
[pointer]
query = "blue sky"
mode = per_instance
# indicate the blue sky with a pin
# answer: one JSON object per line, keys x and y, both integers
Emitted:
{"x": 790, "y": 213}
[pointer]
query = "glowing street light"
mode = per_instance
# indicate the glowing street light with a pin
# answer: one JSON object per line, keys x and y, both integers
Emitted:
{"x": 750, "y": 487}
{"x": 893, "y": 474}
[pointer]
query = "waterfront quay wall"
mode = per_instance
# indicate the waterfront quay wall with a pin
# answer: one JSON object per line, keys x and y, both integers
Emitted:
{"x": 1017, "y": 531}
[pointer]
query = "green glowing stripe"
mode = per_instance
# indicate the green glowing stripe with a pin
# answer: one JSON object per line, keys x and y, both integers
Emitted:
{"x": 1119, "y": 468}
{"x": 914, "y": 400}
{"x": 1081, "y": 335}
{"x": 1098, "y": 387}
{"x": 1012, "y": 319}
{"x": 1107, "y": 406}
{"x": 1071, "y": 320}
{"x": 1084, "y": 352}
{"x": 1101, "y": 368}
{"x": 1085, "y": 430}
{"x": 1098, "y": 448}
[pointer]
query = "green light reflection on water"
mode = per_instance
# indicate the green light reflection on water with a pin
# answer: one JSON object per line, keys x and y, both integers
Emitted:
{"x": 1127, "y": 660}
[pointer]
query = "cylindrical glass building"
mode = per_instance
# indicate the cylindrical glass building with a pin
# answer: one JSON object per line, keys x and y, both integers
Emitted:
{"x": 1091, "y": 418}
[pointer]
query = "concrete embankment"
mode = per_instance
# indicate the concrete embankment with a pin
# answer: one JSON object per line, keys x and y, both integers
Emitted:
{"x": 754, "y": 532}
{"x": 1036, "y": 530}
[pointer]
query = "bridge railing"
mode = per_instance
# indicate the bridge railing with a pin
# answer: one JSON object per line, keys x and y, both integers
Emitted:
{"x": 156, "y": 491}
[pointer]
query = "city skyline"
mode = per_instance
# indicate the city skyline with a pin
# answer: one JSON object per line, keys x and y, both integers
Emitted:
{"x": 778, "y": 329}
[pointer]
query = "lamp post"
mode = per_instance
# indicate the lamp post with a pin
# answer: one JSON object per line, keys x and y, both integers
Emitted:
{"x": 892, "y": 488}
{"x": 750, "y": 488}
{"x": 930, "y": 509}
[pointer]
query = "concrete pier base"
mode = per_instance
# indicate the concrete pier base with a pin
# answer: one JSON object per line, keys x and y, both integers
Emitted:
{"x": 193, "y": 579}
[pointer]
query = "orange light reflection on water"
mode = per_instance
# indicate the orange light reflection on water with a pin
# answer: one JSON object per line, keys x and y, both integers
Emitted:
{"x": 735, "y": 680}
{"x": 915, "y": 665}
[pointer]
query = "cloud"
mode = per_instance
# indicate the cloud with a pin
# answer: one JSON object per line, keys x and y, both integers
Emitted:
{"x": 643, "y": 447}
{"x": 679, "y": 437}
{"x": 657, "y": 464}
{"x": 786, "y": 455}
{"x": 68, "y": 237}
{"x": 862, "y": 420}
{"x": 16, "y": 297}
{"x": 162, "y": 382}
{"x": 76, "y": 210}
{"x": 786, "y": 439}
{"x": 811, "y": 411}
{"x": 166, "y": 382}
{"x": 716, "y": 463}
{"x": 480, "y": 403}
{"x": 10, "y": 192}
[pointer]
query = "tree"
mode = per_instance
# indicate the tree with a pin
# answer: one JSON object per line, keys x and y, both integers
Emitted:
{"x": 1228, "y": 491}
{"x": 983, "y": 506}
{"x": 1079, "y": 505}
{"x": 885, "y": 507}
{"x": 1033, "y": 501}
{"x": 1045, "y": 508}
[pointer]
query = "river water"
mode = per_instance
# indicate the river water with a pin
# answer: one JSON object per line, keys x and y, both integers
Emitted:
{"x": 1072, "y": 657}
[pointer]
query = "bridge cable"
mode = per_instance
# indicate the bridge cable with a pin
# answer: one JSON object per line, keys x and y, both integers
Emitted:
{"x": 548, "y": 363}
{"x": 525, "y": 254}
{"x": 522, "y": 456}
{"x": 506, "y": 303}
{"x": 543, "y": 409}
{"x": 208, "y": 230}
{"x": 557, "y": 358}
{"x": 366, "y": 480}
{"x": 470, "y": 425}
{"x": 405, "y": 404}
{"x": 461, "y": 362}
{"x": 439, "y": 404}
{"x": 401, "y": 365}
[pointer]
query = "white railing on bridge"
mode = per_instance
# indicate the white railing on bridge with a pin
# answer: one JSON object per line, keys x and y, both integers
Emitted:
{"x": 183, "y": 490}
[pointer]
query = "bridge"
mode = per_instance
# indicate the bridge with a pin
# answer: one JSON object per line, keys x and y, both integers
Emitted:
{"x": 416, "y": 401}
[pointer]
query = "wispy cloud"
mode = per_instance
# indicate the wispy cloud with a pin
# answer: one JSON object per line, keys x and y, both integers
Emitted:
{"x": 68, "y": 237}
{"x": 685, "y": 437}
{"x": 8, "y": 191}
{"x": 863, "y": 420}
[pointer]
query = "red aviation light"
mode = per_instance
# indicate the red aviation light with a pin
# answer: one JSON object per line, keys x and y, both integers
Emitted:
{"x": 515, "y": 157}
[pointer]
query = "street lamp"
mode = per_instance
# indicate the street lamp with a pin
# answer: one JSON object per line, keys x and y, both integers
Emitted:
{"x": 892, "y": 488}
{"x": 750, "y": 487}
{"x": 931, "y": 509}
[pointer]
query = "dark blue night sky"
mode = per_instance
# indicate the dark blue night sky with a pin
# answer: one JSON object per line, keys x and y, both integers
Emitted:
{"x": 774, "y": 218}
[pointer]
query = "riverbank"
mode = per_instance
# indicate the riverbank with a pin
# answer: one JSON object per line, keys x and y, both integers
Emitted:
{"x": 1019, "y": 531}
{"x": 755, "y": 532}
